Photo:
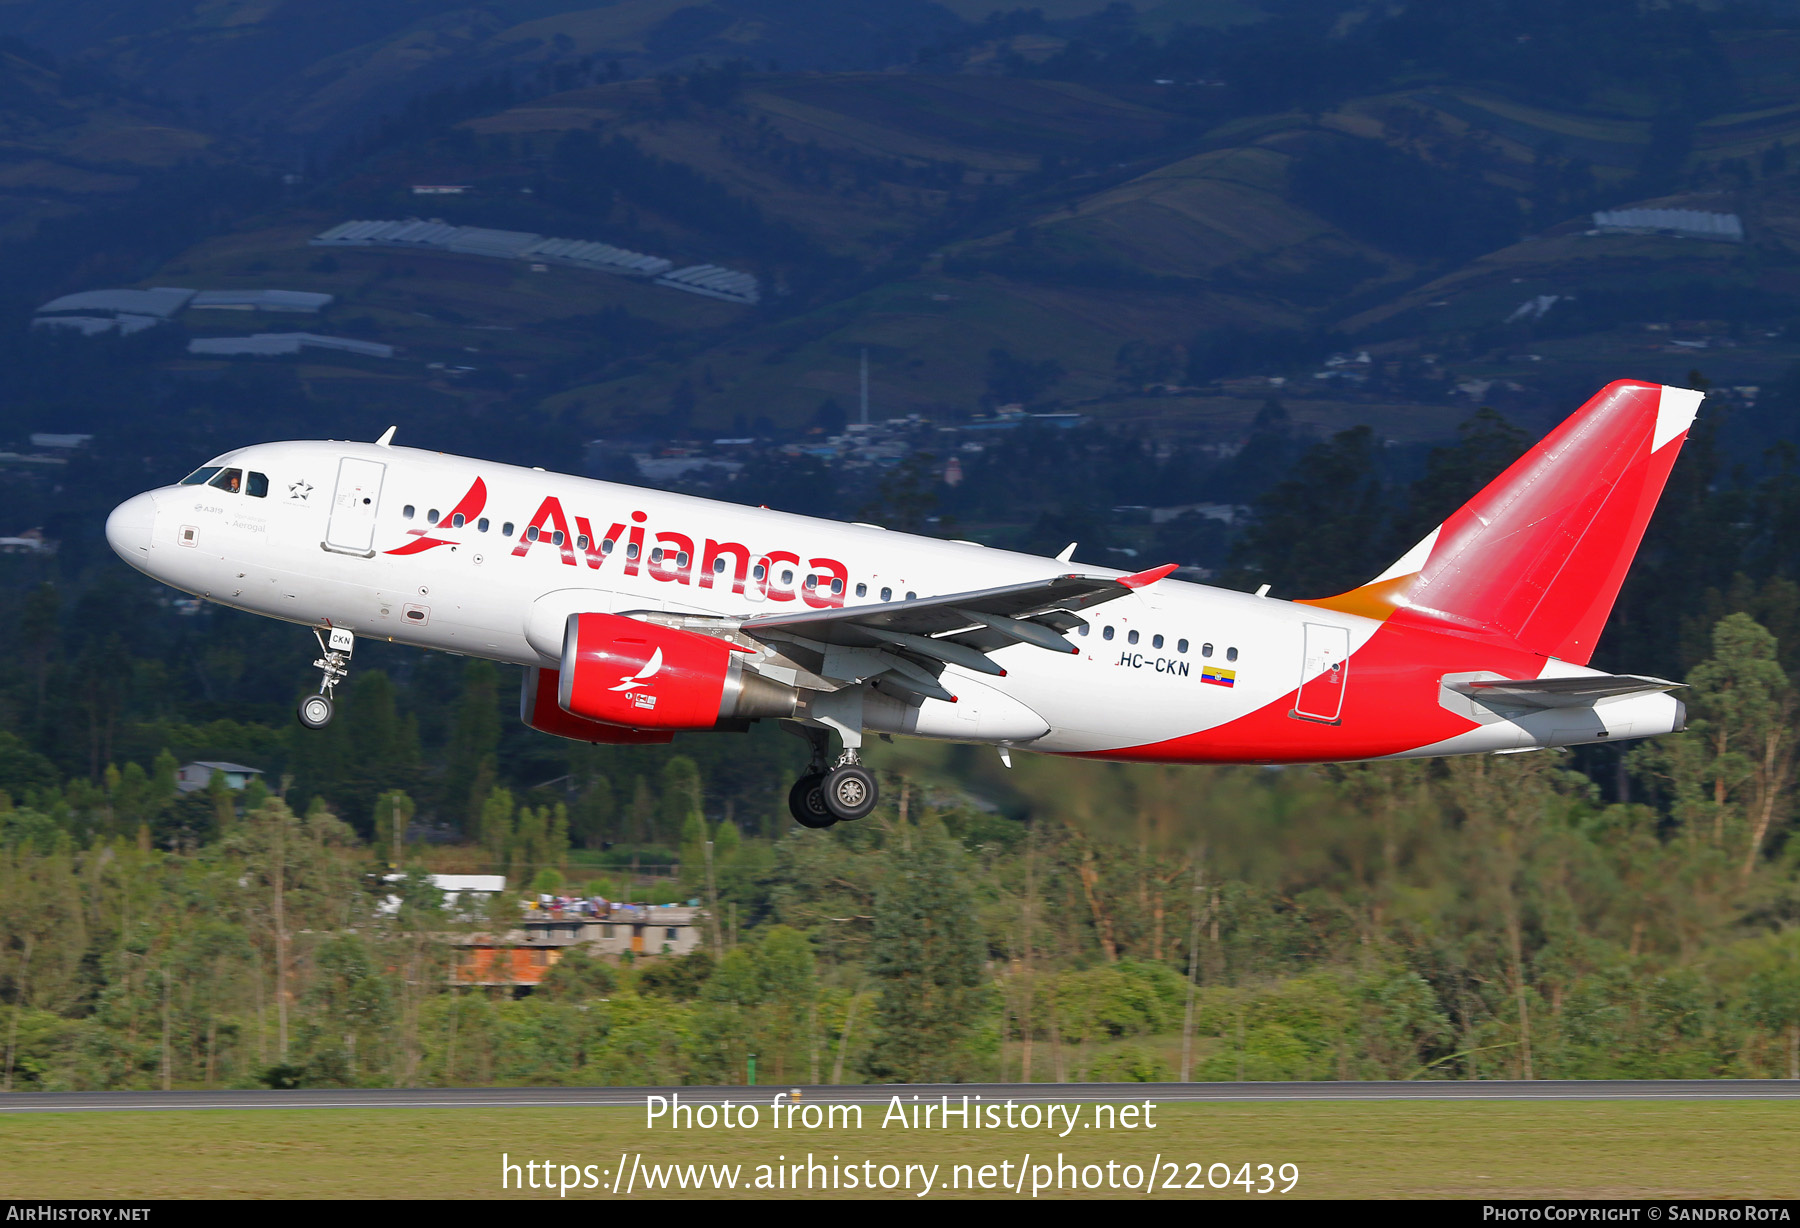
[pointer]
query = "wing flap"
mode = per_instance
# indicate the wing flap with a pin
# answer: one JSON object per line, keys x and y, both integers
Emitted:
{"x": 943, "y": 615}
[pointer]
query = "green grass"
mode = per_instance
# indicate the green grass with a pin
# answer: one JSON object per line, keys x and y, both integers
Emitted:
{"x": 1629, "y": 1149}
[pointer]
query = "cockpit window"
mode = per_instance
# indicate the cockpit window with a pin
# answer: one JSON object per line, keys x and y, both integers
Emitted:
{"x": 257, "y": 485}
{"x": 200, "y": 476}
{"x": 231, "y": 480}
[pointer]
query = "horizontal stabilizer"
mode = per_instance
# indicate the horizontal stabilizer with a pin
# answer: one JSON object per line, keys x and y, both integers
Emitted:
{"x": 1576, "y": 692}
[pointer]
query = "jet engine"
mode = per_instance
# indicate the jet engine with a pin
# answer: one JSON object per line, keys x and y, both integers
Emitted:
{"x": 619, "y": 671}
{"x": 537, "y": 708}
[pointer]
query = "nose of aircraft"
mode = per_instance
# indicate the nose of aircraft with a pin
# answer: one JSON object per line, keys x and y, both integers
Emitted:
{"x": 129, "y": 528}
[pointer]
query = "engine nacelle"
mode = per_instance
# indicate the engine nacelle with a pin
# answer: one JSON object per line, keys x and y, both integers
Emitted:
{"x": 620, "y": 671}
{"x": 539, "y": 710}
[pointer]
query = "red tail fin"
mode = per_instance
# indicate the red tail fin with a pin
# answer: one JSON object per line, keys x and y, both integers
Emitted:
{"x": 1536, "y": 559}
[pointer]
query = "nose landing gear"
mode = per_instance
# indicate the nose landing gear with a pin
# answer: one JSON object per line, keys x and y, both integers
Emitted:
{"x": 335, "y": 647}
{"x": 831, "y": 791}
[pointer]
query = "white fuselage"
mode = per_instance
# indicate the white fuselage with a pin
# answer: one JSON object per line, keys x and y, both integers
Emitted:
{"x": 360, "y": 536}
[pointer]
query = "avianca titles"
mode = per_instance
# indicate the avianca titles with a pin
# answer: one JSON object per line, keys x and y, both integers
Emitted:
{"x": 638, "y": 614}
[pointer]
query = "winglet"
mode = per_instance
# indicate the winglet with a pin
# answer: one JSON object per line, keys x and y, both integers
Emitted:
{"x": 1144, "y": 579}
{"x": 387, "y": 437}
{"x": 1068, "y": 553}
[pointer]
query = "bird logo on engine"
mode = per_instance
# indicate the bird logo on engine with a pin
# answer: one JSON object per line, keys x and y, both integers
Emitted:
{"x": 631, "y": 682}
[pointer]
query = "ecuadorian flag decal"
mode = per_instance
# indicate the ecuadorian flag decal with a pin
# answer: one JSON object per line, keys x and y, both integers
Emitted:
{"x": 1217, "y": 676}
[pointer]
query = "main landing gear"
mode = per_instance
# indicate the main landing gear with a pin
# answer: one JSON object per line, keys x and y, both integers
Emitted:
{"x": 335, "y": 647}
{"x": 831, "y": 791}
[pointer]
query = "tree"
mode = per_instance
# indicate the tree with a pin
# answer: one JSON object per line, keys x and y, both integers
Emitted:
{"x": 293, "y": 879}
{"x": 474, "y": 745}
{"x": 42, "y": 936}
{"x": 927, "y": 959}
{"x": 680, "y": 799}
{"x": 1772, "y": 996}
{"x": 591, "y": 818}
{"x": 352, "y": 1008}
{"x": 1319, "y": 533}
{"x": 496, "y": 828}
{"x": 1731, "y": 777}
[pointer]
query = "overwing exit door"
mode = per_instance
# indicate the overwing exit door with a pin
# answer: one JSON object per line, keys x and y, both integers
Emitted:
{"x": 1323, "y": 673}
{"x": 354, "y": 505}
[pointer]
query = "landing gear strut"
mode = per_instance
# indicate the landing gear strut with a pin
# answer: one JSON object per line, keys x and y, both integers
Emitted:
{"x": 831, "y": 791}
{"x": 335, "y": 647}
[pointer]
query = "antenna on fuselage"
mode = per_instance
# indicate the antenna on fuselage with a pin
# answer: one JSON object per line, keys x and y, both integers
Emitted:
{"x": 387, "y": 437}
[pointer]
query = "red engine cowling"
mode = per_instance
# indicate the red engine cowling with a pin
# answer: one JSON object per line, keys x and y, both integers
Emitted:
{"x": 539, "y": 711}
{"x": 644, "y": 676}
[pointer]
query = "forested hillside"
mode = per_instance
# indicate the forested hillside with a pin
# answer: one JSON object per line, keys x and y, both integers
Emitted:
{"x": 1467, "y": 918}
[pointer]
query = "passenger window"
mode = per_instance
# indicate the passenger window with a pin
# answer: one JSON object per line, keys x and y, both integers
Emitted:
{"x": 1180, "y": 645}
{"x": 787, "y": 576}
{"x": 760, "y": 572}
{"x": 1231, "y": 654}
{"x": 431, "y": 517}
{"x": 458, "y": 521}
{"x": 812, "y": 581}
{"x": 506, "y": 529}
{"x": 719, "y": 566}
{"x": 1156, "y": 641}
{"x": 556, "y": 538}
{"x": 1106, "y": 633}
{"x": 862, "y": 590}
{"x": 912, "y": 596}
{"x": 229, "y": 480}
{"x": 606, "y": 546}
{"x": 581, "y": 541}
{"x": 837, "y": 587}
{"x": 656, "y": 554}
{"x": 257, "y": 486}
{"x": 681, "y": 558}
{"x": 631, "y": 550}
{"x": 531, "y": 533}
{"x": 1206, "y": 650}
{"x": 200, "y": 476}
{"x": 887, "y": 594}
{"x": 482, "y": 524}
{"x": 406, "y": 513}
{"x": 1082, "y": 630}
{"x": 1131, "y": 637}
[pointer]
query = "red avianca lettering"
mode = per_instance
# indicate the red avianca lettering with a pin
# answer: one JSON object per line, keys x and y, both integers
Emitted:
{"x": 670, "y": 557}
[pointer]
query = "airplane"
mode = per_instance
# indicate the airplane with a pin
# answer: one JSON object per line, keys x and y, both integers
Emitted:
{"x": 639, "y": 614}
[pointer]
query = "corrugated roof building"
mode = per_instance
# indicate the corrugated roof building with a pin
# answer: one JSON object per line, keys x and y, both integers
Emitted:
{"x": 709, "y": 280}
{"x": 1688, "y": 223}
{"x": 161, "y": 302}
{"x": 305, "y": 301}
{"x": 265, "y": 344}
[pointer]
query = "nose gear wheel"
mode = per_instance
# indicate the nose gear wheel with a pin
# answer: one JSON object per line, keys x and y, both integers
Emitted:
{"x": 315, "y": 711}
{"x": 335, "y": 647}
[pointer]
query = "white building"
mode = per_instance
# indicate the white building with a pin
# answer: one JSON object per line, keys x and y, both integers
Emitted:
{"x": 192, "y": 777}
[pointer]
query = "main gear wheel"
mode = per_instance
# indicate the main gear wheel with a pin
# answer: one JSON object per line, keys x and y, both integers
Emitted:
{"x": 806, "y": 802}
{"x": 849, "y": 792}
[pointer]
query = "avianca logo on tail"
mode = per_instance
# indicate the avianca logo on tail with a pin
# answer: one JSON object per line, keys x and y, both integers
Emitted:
{"x": 666, "y": 556}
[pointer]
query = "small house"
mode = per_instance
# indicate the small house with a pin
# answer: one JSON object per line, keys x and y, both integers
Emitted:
{"x": 198, "y": 775}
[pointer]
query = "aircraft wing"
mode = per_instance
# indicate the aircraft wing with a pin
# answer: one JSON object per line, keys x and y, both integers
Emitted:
{"x": 918, "y": 638}
{"x": 1576, "y": 692}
